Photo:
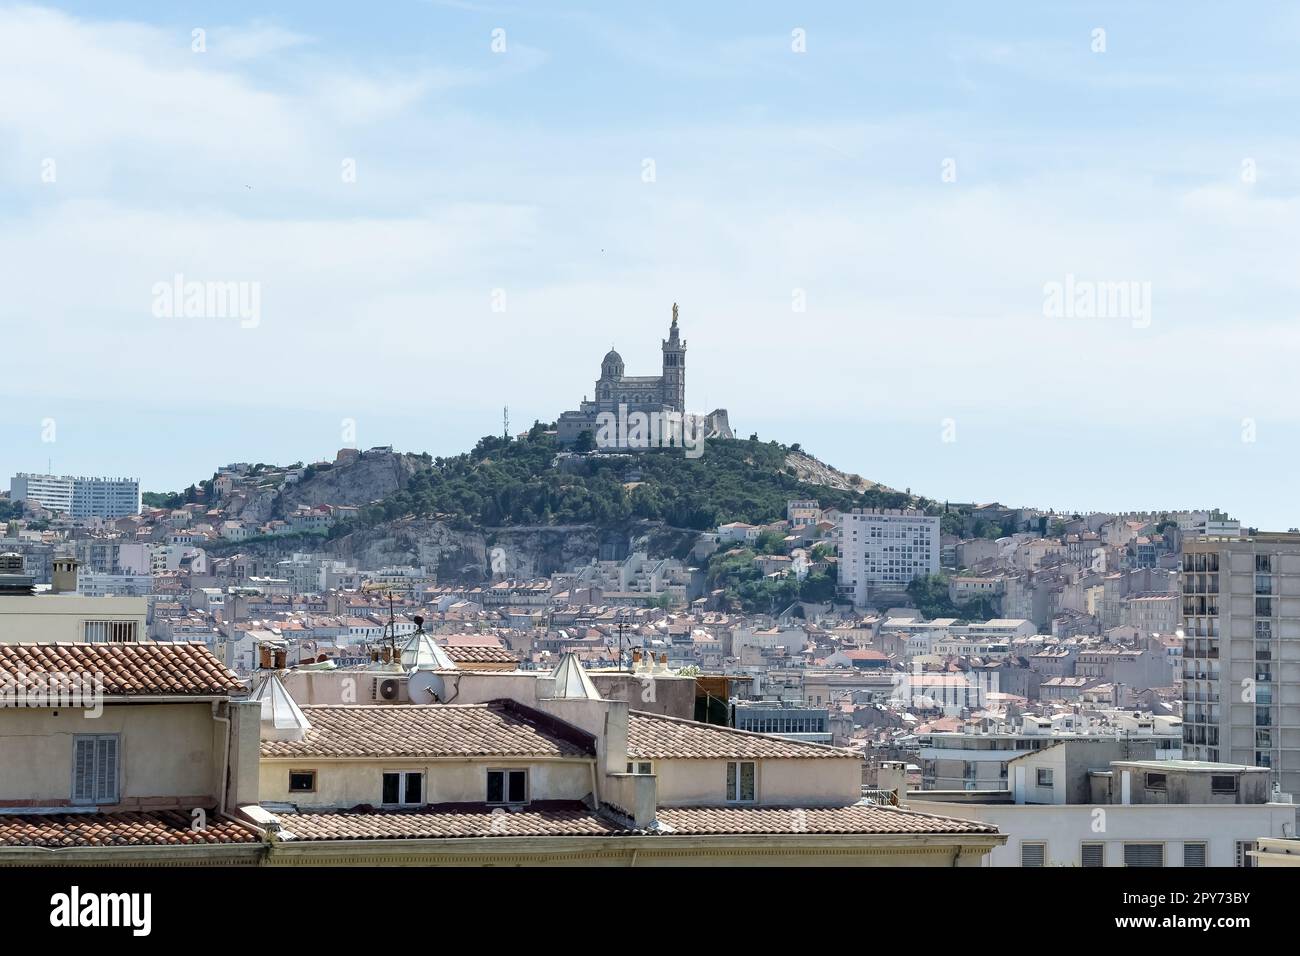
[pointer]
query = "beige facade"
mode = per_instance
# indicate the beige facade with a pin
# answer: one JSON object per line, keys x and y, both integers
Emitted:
{"x": 778, "y": 782}
{"x": 350, "y": 783}
{"x": 42, "y": 618}
{"x": 169, "y": 754}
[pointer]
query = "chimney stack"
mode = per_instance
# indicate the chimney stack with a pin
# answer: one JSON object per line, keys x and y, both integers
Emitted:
{"x": 892, "y": 775}
{"x": 64, "y": 579}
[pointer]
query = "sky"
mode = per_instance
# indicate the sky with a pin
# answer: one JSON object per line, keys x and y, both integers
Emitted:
{"x": 447, "y": 208}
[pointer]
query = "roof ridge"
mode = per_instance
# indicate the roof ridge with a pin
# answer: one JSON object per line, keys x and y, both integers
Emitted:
{"x": 487, "y": 704}
{"x": 745, "y": 733}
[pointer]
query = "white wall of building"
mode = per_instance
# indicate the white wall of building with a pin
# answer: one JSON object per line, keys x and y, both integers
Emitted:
{"x": 886, "y": 550}
{"x": 1065, "y": 829}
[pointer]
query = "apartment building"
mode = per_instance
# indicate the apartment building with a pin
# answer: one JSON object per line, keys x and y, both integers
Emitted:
{"x": 78, "y": 497}
{"x": 1082, "y": 803}
{"x": 803, "y": 511}
{"x": 981, "y": 761}
{"x": 884, "y": 550}
{"x": 784, "y": 719}
{"x": 114, "y": 585}
{"x": 62, "y": 614}
{"x": 1150, "y": 613}
{"x": 1241, "y": 656}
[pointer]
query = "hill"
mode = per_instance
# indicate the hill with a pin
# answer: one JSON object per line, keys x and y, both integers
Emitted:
{"x": 532, "y": 481}
{"x": 528, "y": 507}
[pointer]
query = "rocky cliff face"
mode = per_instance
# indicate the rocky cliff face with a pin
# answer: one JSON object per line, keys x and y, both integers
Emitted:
{"x": 361, "y": 480}
{"x": 256, "y": 508}
{"x": 452, "y": 553}
{"x": 458, "y": 553}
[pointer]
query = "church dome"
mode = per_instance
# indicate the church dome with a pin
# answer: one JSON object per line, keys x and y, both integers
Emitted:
{"x": 611, "y": 367}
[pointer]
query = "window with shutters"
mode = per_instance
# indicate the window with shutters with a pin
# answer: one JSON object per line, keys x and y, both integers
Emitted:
{"x": 1093, "y": 854}
{"x": 1144, "y": 854}
{"x": 1244, "y": 848}
{"x": 1033, "y": 854}
{"x": 94, "y": 768}
{"x": 740, "y": 781}
{"x": 1194, "y": 854}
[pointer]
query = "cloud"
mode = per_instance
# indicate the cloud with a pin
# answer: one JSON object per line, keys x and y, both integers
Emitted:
{"x": 924, "y": 298}
{"x": 258, "y": 39}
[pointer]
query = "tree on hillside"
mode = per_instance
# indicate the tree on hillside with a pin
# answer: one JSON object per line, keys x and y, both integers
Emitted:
{"x": 819, "y": 587}
{"x": 930, "y": 595}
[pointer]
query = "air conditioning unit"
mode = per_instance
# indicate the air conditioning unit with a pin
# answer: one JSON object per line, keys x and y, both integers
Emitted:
{"x": 388, "y": 689}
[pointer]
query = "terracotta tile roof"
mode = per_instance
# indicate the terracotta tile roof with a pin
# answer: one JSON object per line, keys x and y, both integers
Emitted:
{"x": 549, "y": 818}
{"x": 495, "y": 729}
{"x": 573, "y": 818}
{"x": 656, "y": 737}
{"x": 145, "y": 828}
{"x": 855, "y": 818}
{"x": 126, "y": 669}
{"x": 479, "y": 654}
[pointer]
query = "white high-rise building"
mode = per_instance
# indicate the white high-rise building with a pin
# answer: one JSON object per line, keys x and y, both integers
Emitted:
{"x": 79, "y": 497}
{"x": 54, "y": 494}
{"x": 885, "y": 550}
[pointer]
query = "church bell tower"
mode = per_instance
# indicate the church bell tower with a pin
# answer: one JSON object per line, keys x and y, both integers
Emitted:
{"x": 674, "y": 378}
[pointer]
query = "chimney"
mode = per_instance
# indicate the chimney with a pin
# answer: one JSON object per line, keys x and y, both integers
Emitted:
{"x": 892, "y": 775}
{"x": 64, "y": 580}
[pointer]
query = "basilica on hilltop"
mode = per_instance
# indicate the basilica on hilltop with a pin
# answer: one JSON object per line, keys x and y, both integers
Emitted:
{"x": 616, "y": 390}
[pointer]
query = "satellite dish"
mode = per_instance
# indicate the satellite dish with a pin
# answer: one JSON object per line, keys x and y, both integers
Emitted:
{"x": 425, "y": 687}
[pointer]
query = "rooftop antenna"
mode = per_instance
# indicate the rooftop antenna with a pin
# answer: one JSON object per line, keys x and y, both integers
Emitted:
{"x": 390, "y": 629}
{"x": 505, "y": 422}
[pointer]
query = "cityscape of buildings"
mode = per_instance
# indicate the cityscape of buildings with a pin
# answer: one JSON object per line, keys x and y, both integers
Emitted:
{"x": 424, "y": 552}
{"x": 1053, "y": 664}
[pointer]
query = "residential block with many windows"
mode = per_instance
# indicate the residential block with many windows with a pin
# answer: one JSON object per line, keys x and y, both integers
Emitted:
{"x": 884, "y": 550}
{"x": 1241, "y": 656}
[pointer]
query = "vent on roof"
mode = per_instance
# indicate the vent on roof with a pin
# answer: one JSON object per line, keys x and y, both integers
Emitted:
{"x": 13, "y": 576}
